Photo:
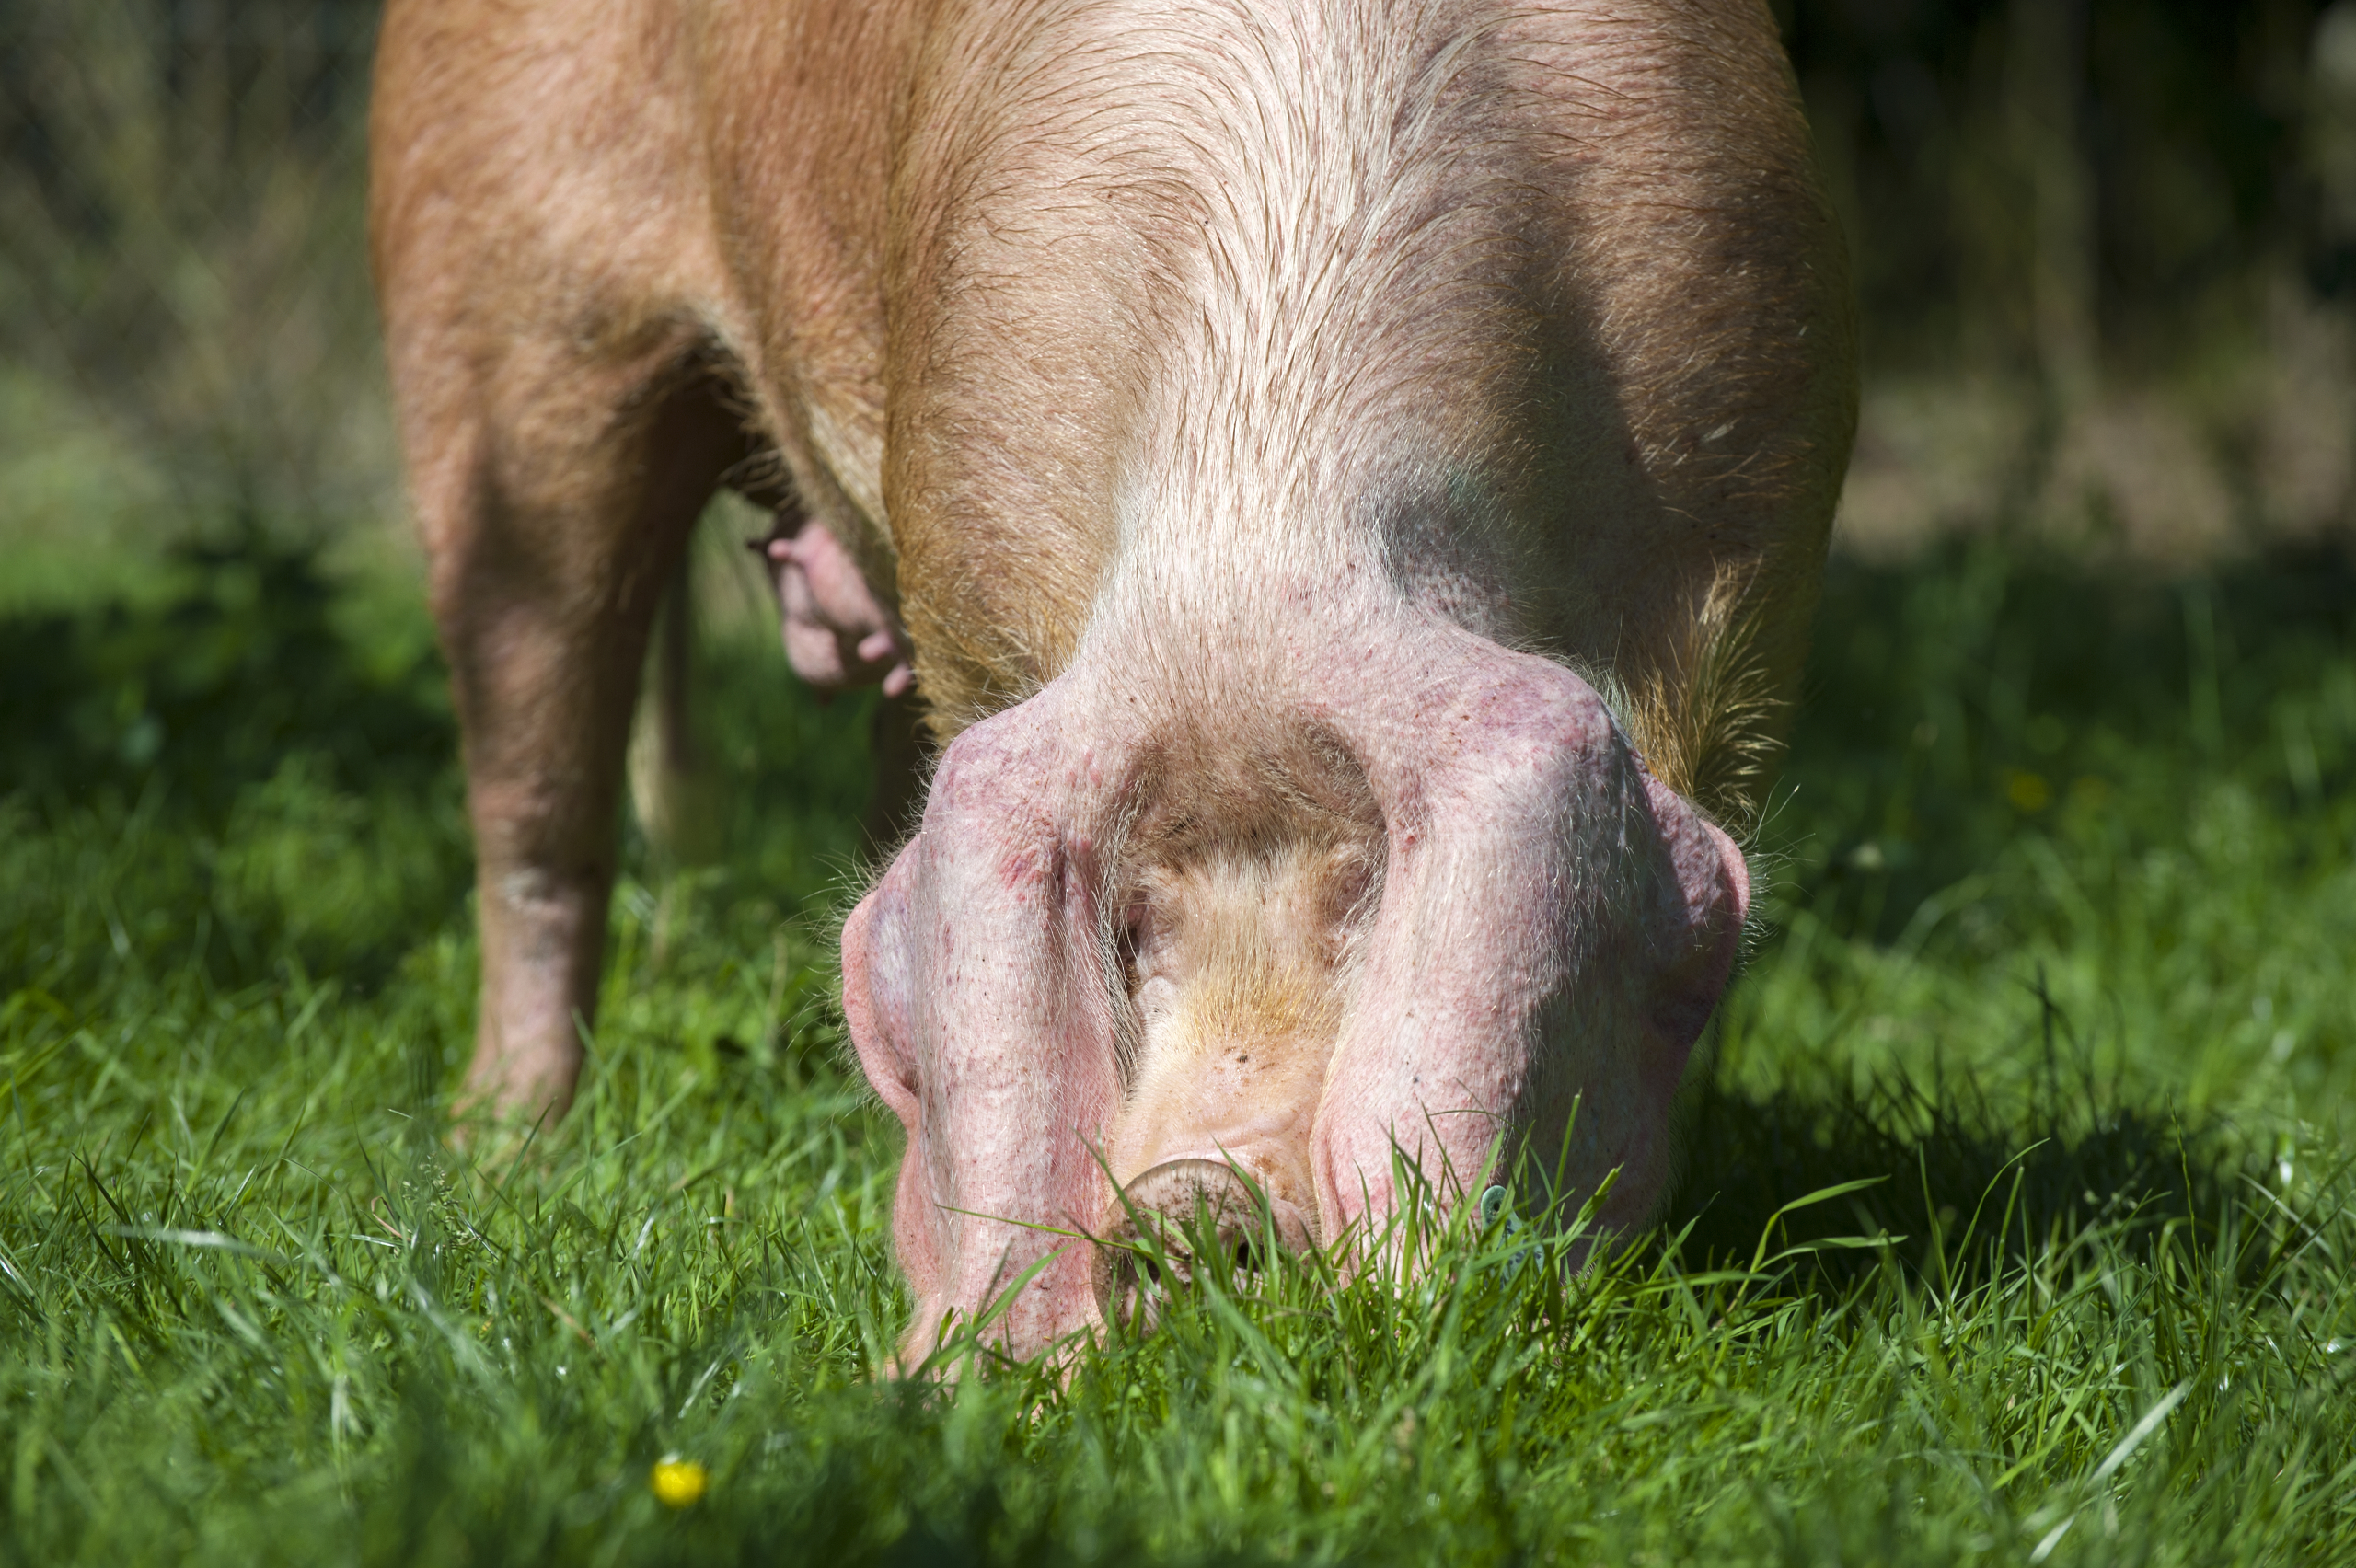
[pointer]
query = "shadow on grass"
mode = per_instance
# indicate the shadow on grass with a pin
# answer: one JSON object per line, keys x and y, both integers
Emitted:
{"x": 1967, "y": 1181}
{"x": 1954, "y": 705}
{"x": 1956, "y": 1176}
{"x": 222, "y": 784}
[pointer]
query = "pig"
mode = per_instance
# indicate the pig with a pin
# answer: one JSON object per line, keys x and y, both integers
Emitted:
{"x": 1347, "y": 481}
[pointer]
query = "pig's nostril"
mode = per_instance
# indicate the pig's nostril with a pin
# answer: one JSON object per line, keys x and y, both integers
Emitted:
{"x": 1151, "y": 1240}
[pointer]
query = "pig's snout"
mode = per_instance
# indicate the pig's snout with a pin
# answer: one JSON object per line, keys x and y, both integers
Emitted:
{"x": 1243, "y": 989}
{"x": 1179, "y": 1218}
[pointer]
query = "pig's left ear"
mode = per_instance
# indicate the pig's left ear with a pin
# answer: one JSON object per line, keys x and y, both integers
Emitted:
{"x": 1703, "y": 901}
{"x": 878, "y": 985}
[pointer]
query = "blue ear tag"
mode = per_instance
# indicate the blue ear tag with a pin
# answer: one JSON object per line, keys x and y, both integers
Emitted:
{"x": 1495, "y": 1208}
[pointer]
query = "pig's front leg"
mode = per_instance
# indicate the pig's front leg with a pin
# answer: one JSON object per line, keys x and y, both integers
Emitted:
{"x": 552, "y": 526}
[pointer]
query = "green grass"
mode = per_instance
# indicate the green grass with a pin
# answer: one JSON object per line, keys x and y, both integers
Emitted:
{"x": 2056, "y": 960}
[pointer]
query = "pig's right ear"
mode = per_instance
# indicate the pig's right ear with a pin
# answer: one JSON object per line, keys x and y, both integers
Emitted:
{"x": 876, "y": 985}
{"x": 1706, "y": 898}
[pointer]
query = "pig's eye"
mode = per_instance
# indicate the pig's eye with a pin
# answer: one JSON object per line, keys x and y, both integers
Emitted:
{"x": 1129, "y": 942}
{"x": 1152, "y": 990}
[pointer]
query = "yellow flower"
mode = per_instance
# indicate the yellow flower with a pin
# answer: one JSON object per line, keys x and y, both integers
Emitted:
{"x": 2027, "y": 792}
{"x": 679, "y": 1483}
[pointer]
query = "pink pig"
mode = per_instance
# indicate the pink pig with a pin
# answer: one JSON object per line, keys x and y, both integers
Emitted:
{"x": 1347, "y": 478}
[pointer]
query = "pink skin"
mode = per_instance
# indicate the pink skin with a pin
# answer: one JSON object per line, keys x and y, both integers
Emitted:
{"x": 976, "y": 1002}
{"x": 1605, "y": 921}
{"x": 837, "y": 634}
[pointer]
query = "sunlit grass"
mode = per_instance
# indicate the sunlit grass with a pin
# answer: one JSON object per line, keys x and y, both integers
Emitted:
{"x": 2014, "y": 1228}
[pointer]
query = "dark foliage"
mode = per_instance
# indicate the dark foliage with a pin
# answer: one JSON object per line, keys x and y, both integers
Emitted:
{"x": 210, "y": 690}
{"x": 1946, "y": 697}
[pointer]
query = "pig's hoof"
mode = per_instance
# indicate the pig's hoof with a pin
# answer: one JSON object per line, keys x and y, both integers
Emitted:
{"x": 1178, "y": 1217}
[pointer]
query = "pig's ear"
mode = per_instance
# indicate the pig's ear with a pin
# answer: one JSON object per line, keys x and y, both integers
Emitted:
{"x": 876, "y": 983}
{"x": 879, "y": 954}
{"x": 1703, "y": 901}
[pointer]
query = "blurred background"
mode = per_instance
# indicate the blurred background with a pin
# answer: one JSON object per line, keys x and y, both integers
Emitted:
{"x": 187, "y": 341}
{"x": 2106, "y": 252}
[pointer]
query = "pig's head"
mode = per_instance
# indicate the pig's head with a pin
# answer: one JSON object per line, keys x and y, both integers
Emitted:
{"x": 1417, "y": 897}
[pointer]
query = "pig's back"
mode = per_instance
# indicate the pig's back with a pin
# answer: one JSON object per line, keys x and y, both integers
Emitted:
{"x": 539, "y": 158}
{"x": 1535, "y": 316}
